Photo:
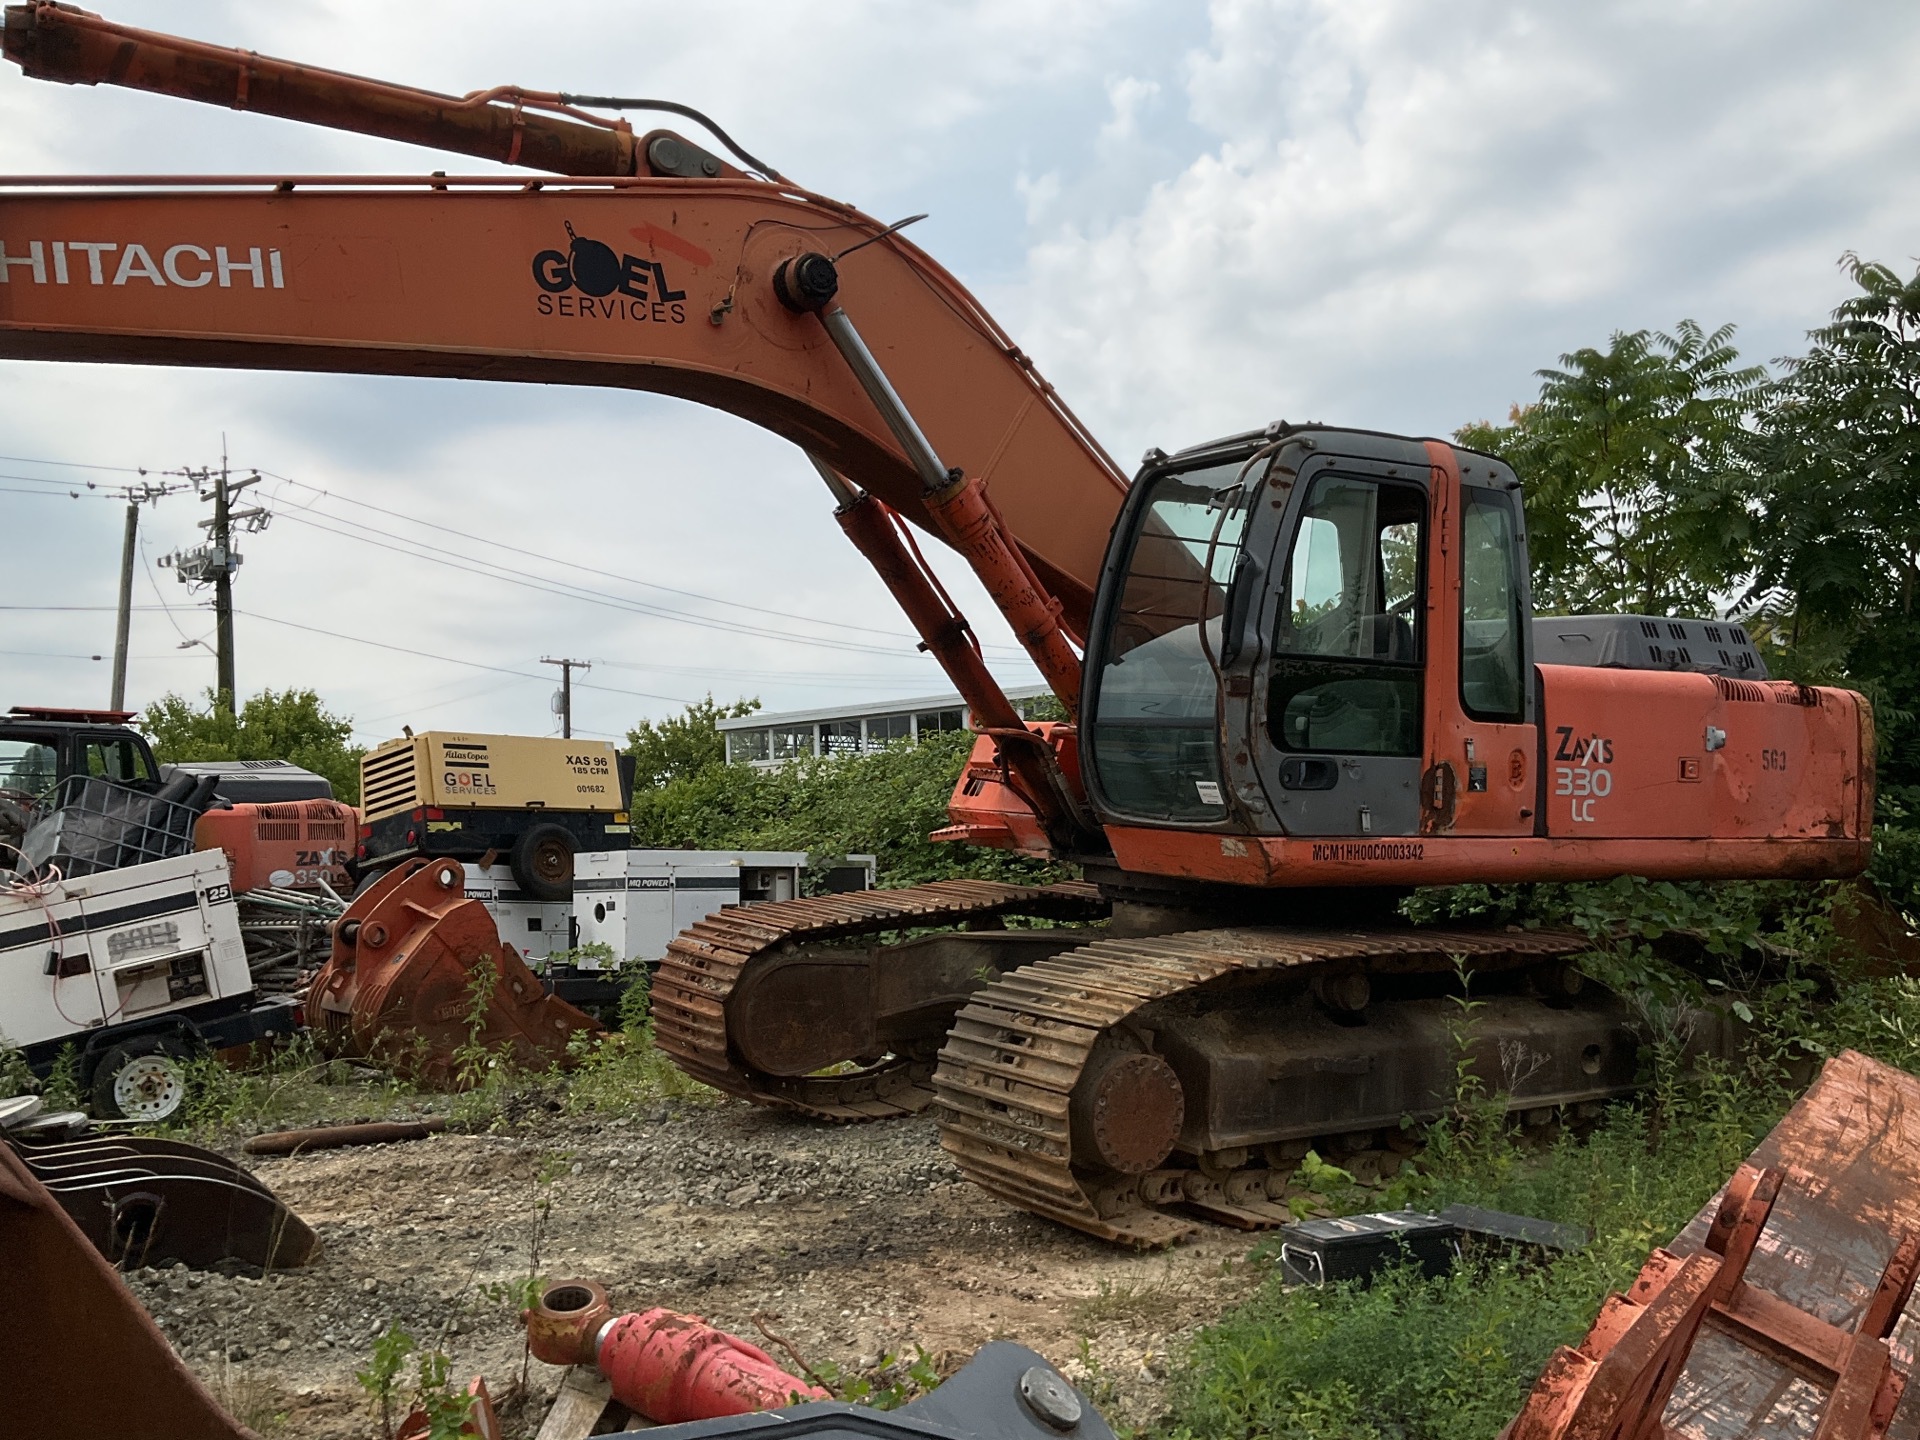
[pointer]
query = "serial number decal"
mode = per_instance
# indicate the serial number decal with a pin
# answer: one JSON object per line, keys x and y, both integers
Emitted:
{"x": 1773, "y": 760}
{"x": 1367, "y": 850}
{"x": 217, "y": 893}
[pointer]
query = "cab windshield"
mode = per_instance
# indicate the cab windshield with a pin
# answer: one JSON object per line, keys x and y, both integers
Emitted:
{"x": 1154, "y": 736}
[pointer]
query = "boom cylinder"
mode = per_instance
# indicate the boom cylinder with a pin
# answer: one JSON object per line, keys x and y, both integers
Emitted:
{"x": 75, "y": 47}
{"x": 1036, "y": 773}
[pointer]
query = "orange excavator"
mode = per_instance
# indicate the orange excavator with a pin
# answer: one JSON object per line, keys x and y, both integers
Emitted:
{"x": 1299, "y": 664}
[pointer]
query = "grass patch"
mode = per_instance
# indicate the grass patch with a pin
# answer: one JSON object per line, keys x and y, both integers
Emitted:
{"x": 623, "y": 1070}
{"x": 292, "y": 1086}
{"x": 295, "y": 1085}
{"x": 1452, "y": 1358}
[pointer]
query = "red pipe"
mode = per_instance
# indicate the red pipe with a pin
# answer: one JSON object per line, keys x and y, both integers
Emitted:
{"x": 673, "y": 1367}
{"x": 666, "y": 1366}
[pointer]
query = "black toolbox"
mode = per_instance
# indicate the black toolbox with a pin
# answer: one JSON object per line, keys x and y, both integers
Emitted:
{"x": 1357, "y": 1247}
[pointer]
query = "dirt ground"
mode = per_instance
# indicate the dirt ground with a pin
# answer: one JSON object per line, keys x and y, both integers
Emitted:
{"x": 864, "y": 1240}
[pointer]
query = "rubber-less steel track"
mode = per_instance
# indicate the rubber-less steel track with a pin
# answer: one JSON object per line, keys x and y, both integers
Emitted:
{"x": 1017, "y": 1049}
{"x": 706, "y": 961}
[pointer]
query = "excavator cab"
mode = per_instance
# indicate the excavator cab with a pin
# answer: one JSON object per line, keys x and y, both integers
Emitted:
{"x": 1286, "y": 622}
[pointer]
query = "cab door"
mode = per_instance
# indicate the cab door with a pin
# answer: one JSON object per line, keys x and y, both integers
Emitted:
{"x": 1481, "y": 775}
{"x": 1344, "y": 682}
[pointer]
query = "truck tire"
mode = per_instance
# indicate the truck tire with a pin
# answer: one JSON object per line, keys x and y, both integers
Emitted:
{"x": 142, "y": 1079}
{"x": 542, "y": 863}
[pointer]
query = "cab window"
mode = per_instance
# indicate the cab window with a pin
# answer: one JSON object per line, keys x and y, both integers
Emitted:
{"x": 28, "y": 766}
{"x": 1155, "y": 730}
{"x": 119, "y": 760}
{"x": 1491, "y": 634}
{"x": 1348, "y": 632}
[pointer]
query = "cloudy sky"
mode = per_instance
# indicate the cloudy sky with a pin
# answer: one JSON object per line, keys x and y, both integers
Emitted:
{"x": 1196, "y": 218}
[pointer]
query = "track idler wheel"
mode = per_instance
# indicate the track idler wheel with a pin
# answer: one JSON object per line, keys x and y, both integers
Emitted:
{"x": 1127, "y": 1112}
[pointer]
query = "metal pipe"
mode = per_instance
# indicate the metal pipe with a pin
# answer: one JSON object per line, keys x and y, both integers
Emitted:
{"x": 845, "y": 493}
{"x": 846, "y": 339}
{"x": 60, "y": 43}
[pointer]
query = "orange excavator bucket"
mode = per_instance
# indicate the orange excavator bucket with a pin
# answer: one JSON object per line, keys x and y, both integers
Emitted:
{"x": 420, "y": 981}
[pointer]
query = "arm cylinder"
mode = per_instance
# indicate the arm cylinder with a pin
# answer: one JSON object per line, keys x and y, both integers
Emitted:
{"x": 958, "y": 505}
{"x": 1034, "y": 770}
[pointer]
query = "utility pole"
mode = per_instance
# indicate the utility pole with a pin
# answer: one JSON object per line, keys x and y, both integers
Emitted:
{"x": 216, "y": 561}
{"x": 123, "y": 623}
{"x": 567, "y": 667}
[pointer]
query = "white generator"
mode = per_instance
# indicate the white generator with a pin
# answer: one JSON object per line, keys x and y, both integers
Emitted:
{"x": 536, "y": 929}
{"x": 136, "y": 969}
{"x": 635, "y": 901}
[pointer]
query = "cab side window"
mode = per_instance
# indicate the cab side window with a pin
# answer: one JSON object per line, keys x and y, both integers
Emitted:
{"x": 1348, "y": 647}
{"x": 119, "y": 760}
{"x": 1492, "y": 649}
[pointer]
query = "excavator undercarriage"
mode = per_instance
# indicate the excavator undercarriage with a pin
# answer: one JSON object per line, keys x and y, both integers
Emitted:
{"x": 1120, "y": 1082}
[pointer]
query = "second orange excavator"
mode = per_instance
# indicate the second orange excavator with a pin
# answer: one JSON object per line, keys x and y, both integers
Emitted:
{"x": 1301, "y": 664}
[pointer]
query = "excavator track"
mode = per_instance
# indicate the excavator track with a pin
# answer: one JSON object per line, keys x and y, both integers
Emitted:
{"x": 705, "y": 963}
{"x": 1007, "y": 1075}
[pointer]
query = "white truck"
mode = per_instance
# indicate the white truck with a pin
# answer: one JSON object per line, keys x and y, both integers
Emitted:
{"x": 137, "y": 969}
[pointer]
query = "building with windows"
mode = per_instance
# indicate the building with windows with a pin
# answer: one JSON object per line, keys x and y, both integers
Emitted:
{"x": 765, "y": 739}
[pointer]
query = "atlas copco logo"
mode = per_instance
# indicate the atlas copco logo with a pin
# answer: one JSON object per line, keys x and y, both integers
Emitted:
{"x": 590, "y": 280}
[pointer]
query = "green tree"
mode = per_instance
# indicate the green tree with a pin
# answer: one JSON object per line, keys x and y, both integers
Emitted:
{"x": 274, "y": 725}
{"x": 681, "y": 746}
{"x": 884, "y": 803}
{"x": 1838, "y": 450}
{"x": 1837, "y": 572}
{"x": 1631, "y": 458}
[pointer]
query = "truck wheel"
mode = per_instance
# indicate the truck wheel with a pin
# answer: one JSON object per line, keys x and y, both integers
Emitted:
{"x": 542, "y": 863}
{"x": 141, "y": 1079}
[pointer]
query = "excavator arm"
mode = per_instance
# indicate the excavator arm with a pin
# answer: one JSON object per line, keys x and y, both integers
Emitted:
{"x": 654, "y": 266}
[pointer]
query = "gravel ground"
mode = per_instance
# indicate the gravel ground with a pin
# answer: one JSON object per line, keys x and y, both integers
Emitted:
{"x": 864, "y": 1240}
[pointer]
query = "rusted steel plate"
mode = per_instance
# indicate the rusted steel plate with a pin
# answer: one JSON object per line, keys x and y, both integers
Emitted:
{"x": 148, "y": 1201}
{"x": 1808, "y": 1331}
{"x": 1849, "y": 1152}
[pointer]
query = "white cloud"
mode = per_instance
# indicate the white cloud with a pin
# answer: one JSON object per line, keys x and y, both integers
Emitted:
{"x": 1403, "y": 209}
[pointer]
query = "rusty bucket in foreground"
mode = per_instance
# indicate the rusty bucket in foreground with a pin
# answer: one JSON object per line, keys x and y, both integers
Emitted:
{"x": 82, "y": 1358}
{"x": 1783, "y": 1308}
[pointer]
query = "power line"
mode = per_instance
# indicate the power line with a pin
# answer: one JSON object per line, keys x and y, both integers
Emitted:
{"x": 559, "y": 588}
{"x": 556, "y": 560}
{"x": 451, "y": 659}
{"x": 81, "y": 465}
{"x": 562, "y": 590}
